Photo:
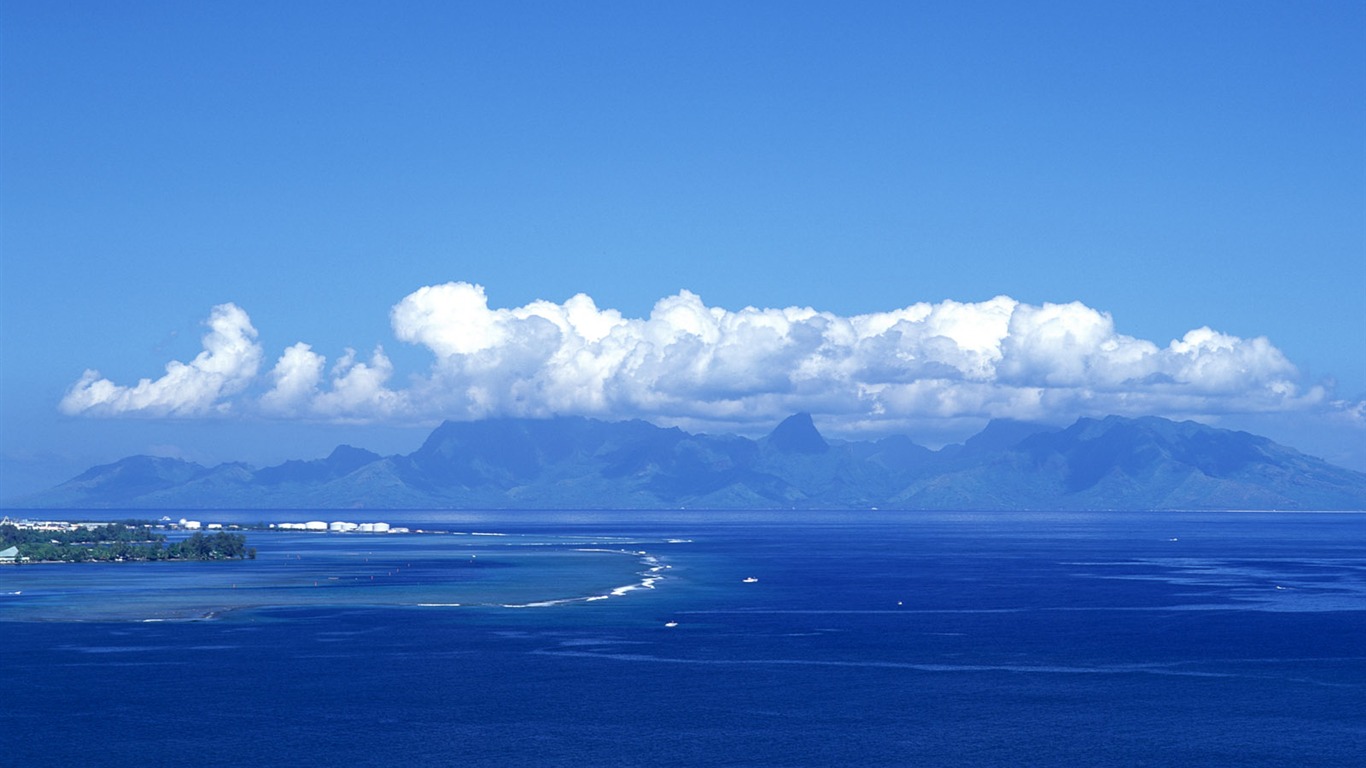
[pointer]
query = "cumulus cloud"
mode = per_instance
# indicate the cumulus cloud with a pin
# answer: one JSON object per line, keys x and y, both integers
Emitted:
{"x": 296, "y": 375}
{"x": 358, "y": 390}
{"x": 228, "y": 364}
{"x": 690, "y": 363}
{"x": 355, "y": 391}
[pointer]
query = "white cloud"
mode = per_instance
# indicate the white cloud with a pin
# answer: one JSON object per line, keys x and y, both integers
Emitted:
{"x": 692, "y": 364}
{"x": 357, "y": 390}
{"x": 227, "y": 366}
{"x": 296, "y": 375}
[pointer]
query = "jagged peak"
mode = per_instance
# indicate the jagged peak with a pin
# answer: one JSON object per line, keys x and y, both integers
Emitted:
{"x": 798, "y": 434}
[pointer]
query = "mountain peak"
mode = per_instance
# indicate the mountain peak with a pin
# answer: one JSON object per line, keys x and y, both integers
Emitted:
{"x": 798, "y": 434}
{"x": 348, "y": 454}
{"x": 1004, "y": 434}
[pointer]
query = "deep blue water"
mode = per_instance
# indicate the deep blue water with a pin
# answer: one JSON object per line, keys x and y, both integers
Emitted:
{"x": 934, "y": 640}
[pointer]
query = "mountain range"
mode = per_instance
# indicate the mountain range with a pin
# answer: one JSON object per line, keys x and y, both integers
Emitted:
{"x": 579, "y": 463}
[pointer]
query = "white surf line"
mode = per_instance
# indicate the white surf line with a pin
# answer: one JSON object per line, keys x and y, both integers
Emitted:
{"x": 650, "y": 576}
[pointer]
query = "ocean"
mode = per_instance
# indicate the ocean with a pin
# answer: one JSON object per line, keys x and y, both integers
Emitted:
{"x": 705, "y": 639}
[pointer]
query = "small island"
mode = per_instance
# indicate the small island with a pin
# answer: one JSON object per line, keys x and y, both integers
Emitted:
{"x": 129, "y": 541}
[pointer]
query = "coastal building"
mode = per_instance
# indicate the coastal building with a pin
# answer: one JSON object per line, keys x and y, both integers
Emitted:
{"x": 315, "y": 525}
{"x": 9, "y": 556}
{"x": 341, "y": 526}
{"x": 38, "y": 525}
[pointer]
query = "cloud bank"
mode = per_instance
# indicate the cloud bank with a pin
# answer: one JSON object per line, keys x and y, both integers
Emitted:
{"x": 227, "y": 366}
{"x": 689, "y": 363}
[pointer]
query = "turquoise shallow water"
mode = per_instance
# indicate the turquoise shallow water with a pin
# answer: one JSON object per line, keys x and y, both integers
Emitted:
{"x": 447, "y": 569}
{"x": 935, "y": 640}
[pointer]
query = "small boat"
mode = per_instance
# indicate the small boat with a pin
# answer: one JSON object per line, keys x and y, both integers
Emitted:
{"x": 671, "y": 624}
{"x": 749, "y": 580}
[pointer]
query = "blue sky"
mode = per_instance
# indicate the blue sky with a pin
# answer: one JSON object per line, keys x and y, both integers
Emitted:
{"x": 1126, "y": 173}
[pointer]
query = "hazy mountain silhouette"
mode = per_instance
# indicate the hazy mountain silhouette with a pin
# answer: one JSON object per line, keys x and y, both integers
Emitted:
{"x": 574, "y": 462}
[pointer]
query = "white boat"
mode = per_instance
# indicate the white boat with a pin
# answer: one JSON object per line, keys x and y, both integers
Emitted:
{"x": 749, "y": 580}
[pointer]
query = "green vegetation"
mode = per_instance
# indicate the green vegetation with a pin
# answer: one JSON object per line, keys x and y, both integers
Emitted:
{"x": 121, "y": 542}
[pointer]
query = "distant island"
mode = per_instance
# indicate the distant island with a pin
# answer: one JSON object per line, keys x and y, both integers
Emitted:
{"x": 114, "y": 542}
{"x": 1112, "y": 463}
